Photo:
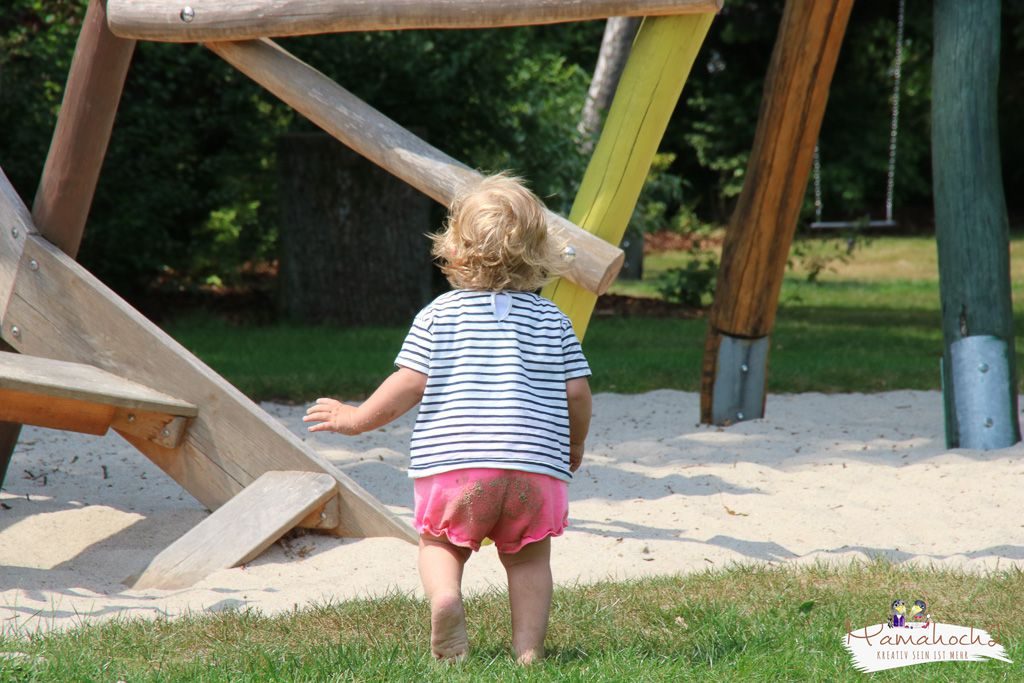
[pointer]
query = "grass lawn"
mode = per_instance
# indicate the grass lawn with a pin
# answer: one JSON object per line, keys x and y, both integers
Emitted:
{"x": 873, "y": 325}
{"x": 759, "y": 624}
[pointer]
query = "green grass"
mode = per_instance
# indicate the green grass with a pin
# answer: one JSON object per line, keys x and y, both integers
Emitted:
{"x": 744, "y": 623}
{"x": 874, "y": 325}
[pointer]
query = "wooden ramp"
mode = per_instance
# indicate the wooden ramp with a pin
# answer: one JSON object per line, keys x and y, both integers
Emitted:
{"x": 83, "y": 398}
{"x": 240, "y": 529}
{"x": 51, "y": 307}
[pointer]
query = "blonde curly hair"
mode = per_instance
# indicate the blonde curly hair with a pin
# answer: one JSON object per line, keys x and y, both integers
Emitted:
{"x": 496, "y": 238}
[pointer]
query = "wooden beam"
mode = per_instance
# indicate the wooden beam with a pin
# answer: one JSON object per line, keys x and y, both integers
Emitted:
{"x": 240, "y": 530}
{"x": 80, "y": 138}
{"x": 76, "y": 381}
{"x": 395, "y": 149}
{"x": 972, "y": 228}
{"x": 762, "y": 226}
{"x": 63, "y": 312}
{"x": 23, "y": 407}
{"x": 658, "y": 65}
{"x": 206, "y": 20}
{"x": 15, "y": 225}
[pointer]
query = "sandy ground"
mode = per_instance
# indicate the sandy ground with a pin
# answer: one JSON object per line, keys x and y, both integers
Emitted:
{"x": 821, "y": 478}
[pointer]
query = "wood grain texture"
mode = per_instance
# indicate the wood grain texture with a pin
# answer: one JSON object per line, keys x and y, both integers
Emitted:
{"x": 23, "y": 407}
{"x": 239, "y": 530}
{"x": 395, "y": 149}
{"x": 761, "y": 228}
{"x": 247, "y": 19}
{"x": 15, "y": 224}
{"x": 80, "y": 138}
{"x": 971, "y": 223}
{"x": 61, "y": 379}
{"x": 658, "y": 66}
{"x": 65, "y": 313}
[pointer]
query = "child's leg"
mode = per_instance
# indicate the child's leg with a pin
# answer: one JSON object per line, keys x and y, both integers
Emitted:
{"x": 441, "y": 572}
{"x": 529, "y": 594}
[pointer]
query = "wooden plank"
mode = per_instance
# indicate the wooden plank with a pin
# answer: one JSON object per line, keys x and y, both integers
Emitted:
{"x": 54, "y": 412}
{"x": 396, "y": 150}
{"x": 15, "y": 226}
{"x": 61, "y": 379}
{"x": 761, "y": 228}
{"x": 661, "y": 59}
{"x": 160, "y": 428}
{"x": 241, "y": 529}
{"x": 247, "y": 19}
{"x": 80, "y": 138}
{"x": 65, "y": 313}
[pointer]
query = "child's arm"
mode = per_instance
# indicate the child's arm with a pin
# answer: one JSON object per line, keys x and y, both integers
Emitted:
{"x": 392, "y": 399}
{"x": 577, "y": 390}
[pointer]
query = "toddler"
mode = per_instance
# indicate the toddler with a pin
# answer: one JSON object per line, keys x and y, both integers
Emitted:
{"x": 504, "y": 411}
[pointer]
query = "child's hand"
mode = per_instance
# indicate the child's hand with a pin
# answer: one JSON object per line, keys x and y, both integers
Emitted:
{"x": 575, "y": 456}
{"x": 332, "y": 416}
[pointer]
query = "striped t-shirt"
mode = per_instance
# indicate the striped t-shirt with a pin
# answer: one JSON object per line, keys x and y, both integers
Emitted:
{"x": 496, "y": 366}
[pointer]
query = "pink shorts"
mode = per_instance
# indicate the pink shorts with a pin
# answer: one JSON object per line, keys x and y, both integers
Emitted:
{"x": 510, "y": 507}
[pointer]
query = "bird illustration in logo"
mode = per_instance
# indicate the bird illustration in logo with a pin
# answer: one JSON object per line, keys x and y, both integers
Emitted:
{"x": 898, "y": 615}
{"x": 919, "y": 614}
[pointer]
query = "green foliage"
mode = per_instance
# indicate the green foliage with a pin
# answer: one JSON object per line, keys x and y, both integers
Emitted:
{"x": 693, "y": 284}
{"x": 189, "y": 185}
{"x": 815, "y": 255}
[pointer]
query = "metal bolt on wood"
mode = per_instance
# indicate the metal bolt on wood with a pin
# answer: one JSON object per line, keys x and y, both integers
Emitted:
{"x": 187, "y": 14}
{"x": 33, "y": 265}
{"x": 983, "y": 367}
{"x": 16, "y": 331}
{"x": 165, "y": 433}
{"x": 15, "y": 233}
{"x": 744, "y": 368}
{"x": 739, "y": 416}
{"x": 131, "y": 417}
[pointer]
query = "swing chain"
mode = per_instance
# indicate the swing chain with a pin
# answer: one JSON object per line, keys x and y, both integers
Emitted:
{"x": 890, "y": 181}
{"x": 894, "y": 128}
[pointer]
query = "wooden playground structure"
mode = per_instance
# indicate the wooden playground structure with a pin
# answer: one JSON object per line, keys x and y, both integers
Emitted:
{"x": 91, "y": 363}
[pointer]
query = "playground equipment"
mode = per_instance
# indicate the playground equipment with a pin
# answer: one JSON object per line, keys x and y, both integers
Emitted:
{"x": 894, "y": 130}
{"x": 760, "y": 231}
{"x": 93, "y": 363}
{"x": 978, "y": 365}
{"x": 979, "y": 382}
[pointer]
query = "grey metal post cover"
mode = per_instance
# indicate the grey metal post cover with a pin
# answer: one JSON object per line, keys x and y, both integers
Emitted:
{"x": 738, "y": 393}
{"x": 981, "y": 391}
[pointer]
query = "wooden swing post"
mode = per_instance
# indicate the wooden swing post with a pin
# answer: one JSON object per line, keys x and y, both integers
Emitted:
{"x": 979, "y": 375}
{"x": 762, "y": 226}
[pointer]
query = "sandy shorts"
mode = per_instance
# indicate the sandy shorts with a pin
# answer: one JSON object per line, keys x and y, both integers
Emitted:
{"x": 510, "y": 507}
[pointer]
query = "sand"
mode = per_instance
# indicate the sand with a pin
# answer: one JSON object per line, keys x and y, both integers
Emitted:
{"x": 828, "y": 478}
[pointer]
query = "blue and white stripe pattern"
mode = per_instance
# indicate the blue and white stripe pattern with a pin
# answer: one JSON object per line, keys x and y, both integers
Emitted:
{"x": 496, "y": 366}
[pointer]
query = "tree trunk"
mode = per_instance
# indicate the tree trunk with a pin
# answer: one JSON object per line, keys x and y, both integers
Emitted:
{"x": 619, "y": 33}
{"x": 971, "y": 227}
{"x": 353, "y": 245}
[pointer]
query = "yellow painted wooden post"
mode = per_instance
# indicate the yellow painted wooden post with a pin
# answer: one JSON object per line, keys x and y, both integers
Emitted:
{"x": 661, "y": 59}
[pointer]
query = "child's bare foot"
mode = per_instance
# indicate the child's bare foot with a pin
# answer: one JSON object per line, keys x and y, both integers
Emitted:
{"x": 528, "y": 657}
{"x": 448, "y": 639}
